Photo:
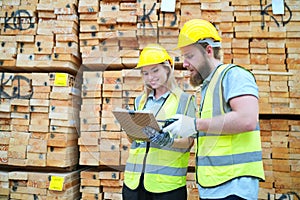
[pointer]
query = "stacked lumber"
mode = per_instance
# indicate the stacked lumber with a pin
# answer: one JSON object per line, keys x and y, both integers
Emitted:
{"x": 44, "y": 185}
{"x": 90, "y": 117}
{"x": 255, "y": 33}
{"x": 101, "y": 184}
{"x": 102, "y": 141}
{"x": 39, "y": 112}
{"x": 112, "y": 98}
{"x": 4, "y": 185}
{"x": 275, "y": 91}
{"x": 107, "y": 33}
{"x": 251, "y": 38}
{"x": 112, "y": 33}
{"x": 133, "y": 85}
{"x": 97, "y": 183}
{"x": 39, "y": 36}
{"x": 281, "y": 157}
{"x": 192, "y": 189}
{"x": 64, "y": 116}
{"x": 294, "y": 89}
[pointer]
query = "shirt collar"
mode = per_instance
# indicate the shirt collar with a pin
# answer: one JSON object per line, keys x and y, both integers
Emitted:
{"x": 165, "y": 95}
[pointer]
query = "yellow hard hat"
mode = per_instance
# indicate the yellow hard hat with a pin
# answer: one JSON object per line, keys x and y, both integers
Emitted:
{"x": 153, "y": 54}
{"x": 198, "y": 30}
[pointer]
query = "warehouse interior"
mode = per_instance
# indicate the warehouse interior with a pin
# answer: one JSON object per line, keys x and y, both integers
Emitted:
{"x": 66, "y": 64}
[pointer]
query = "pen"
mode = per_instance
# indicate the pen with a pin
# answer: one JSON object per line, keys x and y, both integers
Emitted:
{"x": 167, "y": 121}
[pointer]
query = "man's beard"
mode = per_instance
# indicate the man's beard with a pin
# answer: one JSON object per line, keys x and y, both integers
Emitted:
{"x": 203, "y": 72}
{"x": 196, "y": 80}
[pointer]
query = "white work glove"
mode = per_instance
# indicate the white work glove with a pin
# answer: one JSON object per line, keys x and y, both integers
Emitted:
{"x": 185, "y": 126}
{"x": 160, "y": 138}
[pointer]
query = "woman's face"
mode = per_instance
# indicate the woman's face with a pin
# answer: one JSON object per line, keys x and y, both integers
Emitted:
{"x": 155, "y": 76}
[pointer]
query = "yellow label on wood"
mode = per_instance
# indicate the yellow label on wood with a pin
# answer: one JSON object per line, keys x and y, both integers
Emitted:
{"x": 60, "y": 79}
{"x": 56, "y": 183}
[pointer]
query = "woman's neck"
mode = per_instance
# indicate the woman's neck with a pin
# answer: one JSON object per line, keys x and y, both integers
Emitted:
{"x": 160, "y": 91}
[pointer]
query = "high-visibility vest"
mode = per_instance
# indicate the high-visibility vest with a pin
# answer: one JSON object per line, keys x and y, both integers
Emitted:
{"x": 164, "y": 168}
{"x": 220, "y": 158}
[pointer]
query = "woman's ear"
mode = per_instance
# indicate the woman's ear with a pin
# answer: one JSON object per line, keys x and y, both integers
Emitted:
{"x": 167, "y": 68}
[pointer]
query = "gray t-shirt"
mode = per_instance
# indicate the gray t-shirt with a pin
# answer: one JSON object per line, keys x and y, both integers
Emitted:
{"x": 236, "y": 82}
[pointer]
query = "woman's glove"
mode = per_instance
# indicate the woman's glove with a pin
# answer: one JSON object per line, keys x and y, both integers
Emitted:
{"x": 184, "y": 126}
{"x": 163, "y": 139}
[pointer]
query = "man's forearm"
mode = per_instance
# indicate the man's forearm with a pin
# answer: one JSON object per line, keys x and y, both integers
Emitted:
{"x": 230, "y": 123}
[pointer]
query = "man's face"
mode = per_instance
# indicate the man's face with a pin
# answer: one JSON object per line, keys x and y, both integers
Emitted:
{"x": 197, "y": 62}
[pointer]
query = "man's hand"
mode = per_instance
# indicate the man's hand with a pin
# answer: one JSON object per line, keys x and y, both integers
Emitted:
{"x": 185, "y": 126}
{"x": 161, "y": 139}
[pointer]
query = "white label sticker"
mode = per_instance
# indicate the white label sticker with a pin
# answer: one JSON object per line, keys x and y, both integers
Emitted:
{"x": 278, "y": 7}
{"x": 168, "y": 5}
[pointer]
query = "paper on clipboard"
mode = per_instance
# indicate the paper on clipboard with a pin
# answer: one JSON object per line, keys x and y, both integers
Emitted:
{"x": 134, "y": 121}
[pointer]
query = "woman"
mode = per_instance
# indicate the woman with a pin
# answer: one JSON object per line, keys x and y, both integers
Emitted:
{"x": 157, "y": 169}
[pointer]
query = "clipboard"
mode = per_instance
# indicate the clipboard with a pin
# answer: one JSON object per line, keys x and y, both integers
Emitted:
{"x": 133, "y": 122}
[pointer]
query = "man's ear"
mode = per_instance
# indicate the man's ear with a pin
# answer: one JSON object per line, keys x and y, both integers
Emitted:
{"x": 210, "y": 50}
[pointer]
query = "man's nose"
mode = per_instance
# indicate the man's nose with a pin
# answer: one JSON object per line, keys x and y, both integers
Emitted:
{"x": 185, "y": 64}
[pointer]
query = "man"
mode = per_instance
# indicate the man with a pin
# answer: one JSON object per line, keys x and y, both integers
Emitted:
{"x": 228, "y": 154}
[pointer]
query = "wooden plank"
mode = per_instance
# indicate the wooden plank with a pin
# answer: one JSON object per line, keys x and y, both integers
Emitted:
{"x": 40, "y": 95}
{"x": 22, "y": 122}
{"x": 89, "y": 158}
{"x": 39, "y": 102}
{"x": 90, "y": 127}
{"x": 89, "y": 138}
{"x": 91, "y": 192}
{"x": 18, "y": 175}
{"x": 110, "y": 158}
{"x": 40, "y": 119}
{"x": 111, "y": 189}
{"x": 109, "y": 175}
{"x": 37, "y": 146}
{"x": 39, "y": 109}
{"x": 115, "y": 135}
{"x": 114, "y": 196}
{"x": 89, "y": 148}
{"x": 36, "y": 159}
{"x": 109, "y": 124}
{"x": 87, "y": 6}
{"x": 64, "y": 123}
{"x": 62, "y": 136}
{"x": 109, "y": 145}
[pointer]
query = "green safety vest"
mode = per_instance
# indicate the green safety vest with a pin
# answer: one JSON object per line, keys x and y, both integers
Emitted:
{"x": 220, "y": 158}
{"x": 165, "y": 168}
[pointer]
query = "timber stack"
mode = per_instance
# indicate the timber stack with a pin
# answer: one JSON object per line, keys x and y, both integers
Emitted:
{"x": 40, "y": 100}
{"x": 65, "y": 65}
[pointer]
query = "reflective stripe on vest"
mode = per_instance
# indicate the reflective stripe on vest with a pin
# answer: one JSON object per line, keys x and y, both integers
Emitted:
{"x": 165, "y": 168}
{"x": 223, "y": 157}
{"x": 155, "y": 169}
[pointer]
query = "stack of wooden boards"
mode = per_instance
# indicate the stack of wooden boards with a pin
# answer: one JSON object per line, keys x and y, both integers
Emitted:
{"x": 39, "y": 185}
{"x": 281, "y": 158}
{"x": 107, "y": 184}
{"x": 38, "y": 113}
{"x": 39, "y": 36}
{"x": 99, "y": 41}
